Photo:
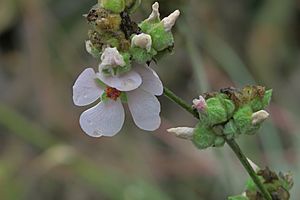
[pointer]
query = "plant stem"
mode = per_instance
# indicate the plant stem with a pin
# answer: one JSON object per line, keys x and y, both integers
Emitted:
{"x": 243, "y": 159}
{"x": 232, "y": 144}
{"x": 173, "y": 97}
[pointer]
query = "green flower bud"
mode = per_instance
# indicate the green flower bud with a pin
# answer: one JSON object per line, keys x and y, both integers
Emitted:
{"x": 230, "y": 107}
{"x": 216, "y": 112}
{"x": 203, "y": 137}
{"x": 256, "y": 104}
{"x": 160, "y": 30}
{"x": 152, "y": 20}
{"x": 116, "y": 6}
{"x": 243, "y": 121}
{"x": 142, "y": 55}
{"x": 160, "y": 38}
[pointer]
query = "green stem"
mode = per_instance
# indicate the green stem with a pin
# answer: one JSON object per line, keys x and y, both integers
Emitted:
{"x": 232, "y": 144}
{"x": 173, "y": 97}
{"x": 243, "y": 159}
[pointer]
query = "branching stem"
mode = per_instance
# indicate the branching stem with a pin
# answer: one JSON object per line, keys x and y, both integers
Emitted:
{"x": 232, "y": 144}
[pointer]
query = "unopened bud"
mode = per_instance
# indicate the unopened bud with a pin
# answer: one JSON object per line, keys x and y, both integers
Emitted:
{"x": 143, "y": 41}
{"x": 169, "y": 21}
{"x": 200, "y": 104}
{"x": 182, "y": 132}
{"x": 259, "y": 117}
{"x": 111, "y": 58}
{"x": 154, "y": 16}
{"x": 116, "y": 6}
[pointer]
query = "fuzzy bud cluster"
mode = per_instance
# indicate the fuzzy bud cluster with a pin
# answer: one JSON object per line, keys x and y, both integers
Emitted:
{"x": 111, "y": 26}
{"x": 226, "y": 115}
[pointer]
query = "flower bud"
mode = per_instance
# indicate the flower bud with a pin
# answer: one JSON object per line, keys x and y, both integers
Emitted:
{"x": 182, "y": 132}
{"x": 155, "y": 15}
{"x": 143, "y": 41}
{"x": 200, "y": 104}
{"x": 216, "y": 111}
{"x": 259, "y": 117}
{"x": 111, "y": 58}
{"x": 243, "y": 119}
{"x": 116, "y": 6}
{"x": 203, "y": 137}
{"x": 169, "y": 21}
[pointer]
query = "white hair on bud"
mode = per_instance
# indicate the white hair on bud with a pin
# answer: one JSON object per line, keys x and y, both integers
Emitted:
{"x": 155, "y": 12}
{"x": 182, "y": 132}
{"x": 143, "y": 41}
{"x": 169, "y": 21}
{"x": 259, "y": 117}
{"x": 111, "y": 58}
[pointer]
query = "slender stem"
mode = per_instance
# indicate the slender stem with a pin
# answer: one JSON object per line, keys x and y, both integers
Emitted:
{"x": 243, "y": 159}
{"x": 173, "y": 97}
{"x": 232, "y": 144}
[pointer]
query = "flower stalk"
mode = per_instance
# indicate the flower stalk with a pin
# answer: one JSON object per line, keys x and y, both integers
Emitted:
{"x": 231, "y": 143}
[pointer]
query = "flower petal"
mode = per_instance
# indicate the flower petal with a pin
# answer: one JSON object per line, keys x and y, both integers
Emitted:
{"x": 111, "y": 57}
{"x": 104, "y": 119}
{"x": 145, "y": 109}
{"x": 85, "y": 89}
{"x": 151, "y": 81}
{"x": 124, "y": 82}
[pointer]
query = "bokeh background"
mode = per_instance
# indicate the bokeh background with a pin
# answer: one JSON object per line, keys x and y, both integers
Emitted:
{"x": 219, "y": 43}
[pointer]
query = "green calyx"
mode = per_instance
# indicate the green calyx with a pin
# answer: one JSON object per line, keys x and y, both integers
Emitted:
{"x": 229, "y": 114}
{"x": 142, "y": 55}
{"x": 203, "y": 137}
{"x": 115, "y": 6}
{"x": 161, "y": 39}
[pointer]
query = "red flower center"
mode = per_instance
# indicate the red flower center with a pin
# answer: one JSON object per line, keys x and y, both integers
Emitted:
{"x": 112, "y": 93}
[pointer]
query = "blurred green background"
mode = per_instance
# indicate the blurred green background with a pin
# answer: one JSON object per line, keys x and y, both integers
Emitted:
{"x": 219, "y": 43}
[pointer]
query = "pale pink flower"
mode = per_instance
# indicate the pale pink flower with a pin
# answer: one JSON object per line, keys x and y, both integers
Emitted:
{"x": 141, "y": 86}
{"x": 200, "y": 104}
